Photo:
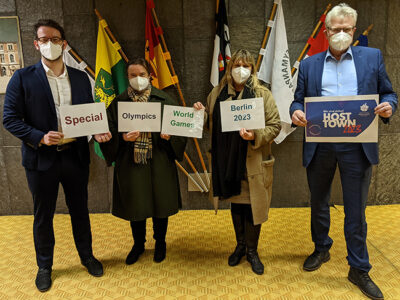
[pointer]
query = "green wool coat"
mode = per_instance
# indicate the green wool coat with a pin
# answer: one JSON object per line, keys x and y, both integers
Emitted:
{"x": 147, "y": 190}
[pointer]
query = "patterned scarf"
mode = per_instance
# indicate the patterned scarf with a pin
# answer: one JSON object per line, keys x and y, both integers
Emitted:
{"x": 142, "y": 149}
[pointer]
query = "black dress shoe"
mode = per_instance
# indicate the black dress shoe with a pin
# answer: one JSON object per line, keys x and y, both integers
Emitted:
{"x": 254, "y": 260}
{"x": 315, "y": 260}
{"x": 236, "y": 256}
{"x": 43, "y": 279}
{"x": 364, "y": 282}
{"x": 94, "y": 267}
{"x": 134, "y": 255}
{"x": 160, "y": 252}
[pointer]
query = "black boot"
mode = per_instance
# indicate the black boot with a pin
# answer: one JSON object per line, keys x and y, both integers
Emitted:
{"x": 365, "y": 284}
{"x": 238, "y": 220}
{"x": 160, "y": 226}
{"x": 139, "y": 238}
{"x": 252, "y": 233}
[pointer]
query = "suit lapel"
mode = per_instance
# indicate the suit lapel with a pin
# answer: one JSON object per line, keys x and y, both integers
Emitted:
{"x": 357, "y": 57}
{"x": 40, "y": 72}
{"x": 319, "y": 68}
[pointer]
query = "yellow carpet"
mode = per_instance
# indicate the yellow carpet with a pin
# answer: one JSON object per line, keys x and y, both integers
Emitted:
{"x": 199, "y": 244}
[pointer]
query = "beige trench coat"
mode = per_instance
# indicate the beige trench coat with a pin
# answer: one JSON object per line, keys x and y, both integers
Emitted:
{"x": 259, "y": 166}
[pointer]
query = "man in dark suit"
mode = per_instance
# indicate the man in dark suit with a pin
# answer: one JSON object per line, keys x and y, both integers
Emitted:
{"x": 31, "y": 113}
{"x": 342, "y": 71}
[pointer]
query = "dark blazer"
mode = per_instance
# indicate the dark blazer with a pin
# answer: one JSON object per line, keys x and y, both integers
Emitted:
{"x": 371, "y": 79}
{"x": 29, "y": 113}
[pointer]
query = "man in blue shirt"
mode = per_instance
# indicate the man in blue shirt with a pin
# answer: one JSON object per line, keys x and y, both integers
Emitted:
{"x": 342, "y": 71}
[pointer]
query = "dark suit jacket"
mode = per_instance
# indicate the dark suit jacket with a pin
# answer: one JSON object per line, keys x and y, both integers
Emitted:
{"x": 371, "y": 79}
{"x": 29, "y": 113}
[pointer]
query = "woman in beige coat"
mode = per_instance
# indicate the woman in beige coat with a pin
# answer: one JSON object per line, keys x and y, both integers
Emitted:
{"x": 241, "y": 170}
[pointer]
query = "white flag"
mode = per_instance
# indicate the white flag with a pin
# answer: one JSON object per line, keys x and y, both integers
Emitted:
{"x": 275, "y": 70}
{"x": 70, "y": 61}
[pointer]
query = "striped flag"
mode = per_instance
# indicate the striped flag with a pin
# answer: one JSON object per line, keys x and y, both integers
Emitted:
{"x": 222, "y": 50}
{"x": 154, "y": 53}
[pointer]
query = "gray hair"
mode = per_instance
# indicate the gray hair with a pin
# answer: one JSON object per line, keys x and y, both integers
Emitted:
{"x": 341, "y": 10}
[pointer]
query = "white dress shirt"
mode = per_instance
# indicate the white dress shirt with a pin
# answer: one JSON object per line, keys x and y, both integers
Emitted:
{"x": 61, "y": 91}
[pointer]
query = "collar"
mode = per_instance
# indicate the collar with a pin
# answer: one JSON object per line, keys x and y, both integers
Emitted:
{"x": 49, "y": 72}
{"x": 347, "y": 55}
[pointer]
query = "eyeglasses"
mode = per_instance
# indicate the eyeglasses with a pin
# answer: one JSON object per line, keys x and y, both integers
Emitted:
{"x": 337, "y": 30}
{"x": 54, "y": 40}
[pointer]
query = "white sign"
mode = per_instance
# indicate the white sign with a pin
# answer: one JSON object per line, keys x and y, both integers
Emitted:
{"x": 139, "y": 116}
{"x": 238, "y": 114}
{"x": 83, "y": 119}
{"x": 182, "y": 121}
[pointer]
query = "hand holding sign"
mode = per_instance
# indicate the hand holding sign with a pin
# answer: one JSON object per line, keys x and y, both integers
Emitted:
{"x": 384, "y": 110}
{"x": 247, "y": 135}
{"x": 52, "y": 138}
{"x": 103, "y": 137}
{"x": 299, "y": 118}
{"x": 198, "y": 106}
{"x": 131, "y": 136}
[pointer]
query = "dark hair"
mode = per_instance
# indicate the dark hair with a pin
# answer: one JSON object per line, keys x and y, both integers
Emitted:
{"x": 138, "y": 60}
{"x": 49, "y": 23}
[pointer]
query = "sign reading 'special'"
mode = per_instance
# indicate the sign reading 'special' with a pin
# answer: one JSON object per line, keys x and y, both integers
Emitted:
{"x": 83, "y": 119}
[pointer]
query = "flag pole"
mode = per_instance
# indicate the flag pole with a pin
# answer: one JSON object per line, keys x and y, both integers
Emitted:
{"x": 267, "y": 32}
{"x": 196, "y": 172}
{"x": 366, "y": 32}
{"x": 189, "y": 176}
{"x": 75, "y": 55}
{"x": 112, "y": 37}
{"x": 114, "y": 40}
{"x": 177, "y": 85}
{"x": 312, "y": 36}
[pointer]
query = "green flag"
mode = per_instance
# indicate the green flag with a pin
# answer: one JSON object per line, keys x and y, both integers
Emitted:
{"x": 110, "y": 78}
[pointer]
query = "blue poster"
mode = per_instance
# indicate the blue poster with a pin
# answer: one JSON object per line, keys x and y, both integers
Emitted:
{"x": 342, "y": 119}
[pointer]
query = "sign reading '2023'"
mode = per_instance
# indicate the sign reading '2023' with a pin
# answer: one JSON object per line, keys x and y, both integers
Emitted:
{"x": 238, "y": 114}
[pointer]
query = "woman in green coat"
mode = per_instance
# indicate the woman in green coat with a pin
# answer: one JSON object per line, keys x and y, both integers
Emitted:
{"x": 145, "y": 176}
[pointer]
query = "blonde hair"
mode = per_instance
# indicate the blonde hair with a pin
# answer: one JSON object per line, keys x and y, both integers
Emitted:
{"x": 341, "y": 10}
{"x": 246, "y": 57}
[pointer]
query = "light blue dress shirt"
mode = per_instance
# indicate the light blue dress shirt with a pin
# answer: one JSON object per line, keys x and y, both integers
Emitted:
{"x": 339, "y": 78}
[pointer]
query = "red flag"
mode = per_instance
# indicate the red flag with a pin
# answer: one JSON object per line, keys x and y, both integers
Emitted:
{"x": 154, "y": 53}
{"x": 319, "y": 43}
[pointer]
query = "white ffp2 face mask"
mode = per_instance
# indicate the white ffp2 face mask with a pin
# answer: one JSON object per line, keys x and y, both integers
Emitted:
{"x": 340, "y": 41}
{"x": 240, "y": 74}
{"x": 139, "y": 83}
{"x": 51, "y": 51}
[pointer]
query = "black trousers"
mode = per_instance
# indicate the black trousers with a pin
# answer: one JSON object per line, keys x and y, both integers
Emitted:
{"x": 246, "y": 232}
{"x": 355, "y": 175}
{"x": 160, "y": 226}
{"x": 44, "y": 185}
